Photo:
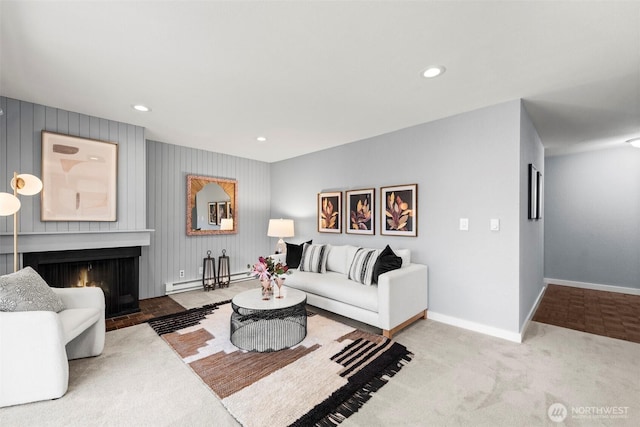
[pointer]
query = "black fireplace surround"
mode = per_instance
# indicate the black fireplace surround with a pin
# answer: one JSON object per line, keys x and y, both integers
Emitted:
{"x": 115, "y": 270}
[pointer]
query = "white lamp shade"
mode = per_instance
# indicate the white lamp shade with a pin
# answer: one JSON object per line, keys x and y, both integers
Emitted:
{"x": 280, "y": 228}
{"x": 226, "y": 224}
{"x": 9, "y": 204}
{"x": 31, "y": 184}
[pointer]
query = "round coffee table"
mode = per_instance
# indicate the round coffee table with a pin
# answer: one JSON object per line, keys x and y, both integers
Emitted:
{"x": 271, "y": 325}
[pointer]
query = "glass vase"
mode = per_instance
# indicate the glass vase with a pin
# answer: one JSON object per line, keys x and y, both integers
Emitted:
{"x": 267, "y": 289}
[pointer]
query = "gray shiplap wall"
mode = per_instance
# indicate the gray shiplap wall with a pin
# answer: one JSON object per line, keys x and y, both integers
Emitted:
{"x": 171, "y": 250}
{"x": 20, "y": 151}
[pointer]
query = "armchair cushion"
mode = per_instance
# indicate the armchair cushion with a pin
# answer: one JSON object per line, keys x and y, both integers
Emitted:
{"x": 25, "y": 290}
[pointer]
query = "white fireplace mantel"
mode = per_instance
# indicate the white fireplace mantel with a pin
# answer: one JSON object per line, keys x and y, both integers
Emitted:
{"x": 73, "y": 240}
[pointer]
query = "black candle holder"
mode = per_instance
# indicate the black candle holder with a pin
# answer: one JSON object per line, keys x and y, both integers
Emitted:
{"x": 224, "y": 271}
{"x": 208, "y": 272}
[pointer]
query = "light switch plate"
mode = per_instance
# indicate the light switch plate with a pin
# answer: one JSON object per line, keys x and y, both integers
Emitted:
{"x": 464, "y": 224}
{"x": 494, "y": 224}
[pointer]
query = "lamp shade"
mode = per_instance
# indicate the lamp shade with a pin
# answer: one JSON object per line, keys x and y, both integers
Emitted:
{"x": 28, "y": 184}
{"x": 280, "y": 228}
{"x": 226, "y": 224}
{"x": 9, "y": 204}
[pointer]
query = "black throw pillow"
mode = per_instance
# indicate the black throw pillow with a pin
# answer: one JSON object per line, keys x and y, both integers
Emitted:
{"x": 387, "y": 261}
{"x": 294, "y": 253}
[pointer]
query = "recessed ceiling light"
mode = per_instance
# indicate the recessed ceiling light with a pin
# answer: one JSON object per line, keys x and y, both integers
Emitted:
{"x": 433, "y": 71}
{"x": 261, "y": 139}
{"x": 140, "y": 107}
{"x": 635, "y": 142}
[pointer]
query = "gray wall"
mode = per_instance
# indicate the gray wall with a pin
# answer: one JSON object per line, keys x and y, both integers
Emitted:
{"x": 171, "y": 249}
{"x": 531, "y": 231}
{"x": 20, "y": 151}
{"x": 592, "y": 212}
{"x": 466, "y": 166}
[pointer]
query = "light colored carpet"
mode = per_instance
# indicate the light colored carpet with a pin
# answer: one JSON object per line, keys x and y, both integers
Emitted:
{"x": 456, "y": 377}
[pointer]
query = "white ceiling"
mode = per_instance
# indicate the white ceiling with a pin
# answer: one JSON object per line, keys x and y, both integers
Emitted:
{"x": 310, "y": 75}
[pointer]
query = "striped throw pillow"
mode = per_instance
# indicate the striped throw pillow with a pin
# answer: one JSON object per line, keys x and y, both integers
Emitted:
{"x": 314, "y": 258}
{"x": 361, "y": 270}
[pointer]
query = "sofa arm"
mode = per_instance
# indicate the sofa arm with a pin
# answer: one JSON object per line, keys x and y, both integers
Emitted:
{"x": 33, "y": 360}
{"x": 282, "y": 258}
{"x": 81, "y": 297}
{"x": 402, "y": 294}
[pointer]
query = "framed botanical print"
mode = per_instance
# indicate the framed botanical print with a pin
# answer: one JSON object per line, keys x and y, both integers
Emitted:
{"x": 360, "y": 211}
{"x": 399, "y": 210}
{"x": 329, "y": 208}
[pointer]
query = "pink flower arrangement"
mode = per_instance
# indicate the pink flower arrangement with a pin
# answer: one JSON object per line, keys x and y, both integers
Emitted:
{"x": 267, "y": 269}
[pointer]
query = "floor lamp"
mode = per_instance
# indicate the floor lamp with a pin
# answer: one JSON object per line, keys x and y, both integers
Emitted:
{"x": 9, "y": 205}
{"x": 24, "y": 184}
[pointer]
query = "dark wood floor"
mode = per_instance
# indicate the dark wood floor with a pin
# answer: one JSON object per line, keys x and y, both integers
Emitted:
{"x": 611, "y": 314}
{"x": 149, "y": 308}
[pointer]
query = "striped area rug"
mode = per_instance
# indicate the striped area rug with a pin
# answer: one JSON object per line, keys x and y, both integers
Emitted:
{"x": 323, "y": 380}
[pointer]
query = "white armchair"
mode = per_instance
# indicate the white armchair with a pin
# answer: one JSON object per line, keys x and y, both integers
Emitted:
{"x": 35, "y": 346}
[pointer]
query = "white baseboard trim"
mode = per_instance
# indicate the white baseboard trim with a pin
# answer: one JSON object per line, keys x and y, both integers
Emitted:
{"x": 475, "y": 327}
{"x": 191, "y": 285}
{"x": 593, "y": 286}
{"x": 532, "y": 311}
{"x": 175, "y": 287}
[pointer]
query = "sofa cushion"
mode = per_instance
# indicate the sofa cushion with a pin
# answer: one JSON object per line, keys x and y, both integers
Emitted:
{"x": 314, "y": 258}
{"x": 294, "y": 253}
{"x": 335, "y": 286}
{"x": 387, "y": 261}
{"x": 339, "y": 258}
{"x": 361, "y": 270}
{"x": 25, "y": 290}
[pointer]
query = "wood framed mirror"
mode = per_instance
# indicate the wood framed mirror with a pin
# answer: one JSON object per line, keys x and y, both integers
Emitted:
{"x": 211, "y": 205}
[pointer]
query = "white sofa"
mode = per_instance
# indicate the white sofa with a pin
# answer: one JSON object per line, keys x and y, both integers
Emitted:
{"x": 35, "y": 346}
{"x": 399, "y": 298}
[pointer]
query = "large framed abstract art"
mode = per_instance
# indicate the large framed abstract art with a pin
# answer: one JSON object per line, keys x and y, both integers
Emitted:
{"x": 329, "y": 208}
{"x": 360, "y": 211}
{"x": 399, "y": 210}
{"x": 79, "y": 178}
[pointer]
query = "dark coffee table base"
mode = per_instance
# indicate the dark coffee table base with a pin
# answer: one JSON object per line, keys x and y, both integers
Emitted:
{"x": 268, "y": 330}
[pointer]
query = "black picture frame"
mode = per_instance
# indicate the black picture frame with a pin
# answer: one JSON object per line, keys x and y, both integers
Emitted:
{"x": 532, "y": 211}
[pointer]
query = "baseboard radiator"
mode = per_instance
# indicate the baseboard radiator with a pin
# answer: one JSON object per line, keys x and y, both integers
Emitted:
{"x": 190, "y": 285}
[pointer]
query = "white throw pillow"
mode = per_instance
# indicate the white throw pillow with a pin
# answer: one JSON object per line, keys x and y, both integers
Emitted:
{"x": 336, "y": 258}
{"x": 361, "y": 270}
{"x": 405, "y": 254}
{"x": 25, "y": 290}
{"x": 314, "y": 258}
{"x": 351, "y": 253}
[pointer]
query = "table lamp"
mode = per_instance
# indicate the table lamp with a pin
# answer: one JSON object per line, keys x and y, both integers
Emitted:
{"x": 280, "y": 228}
